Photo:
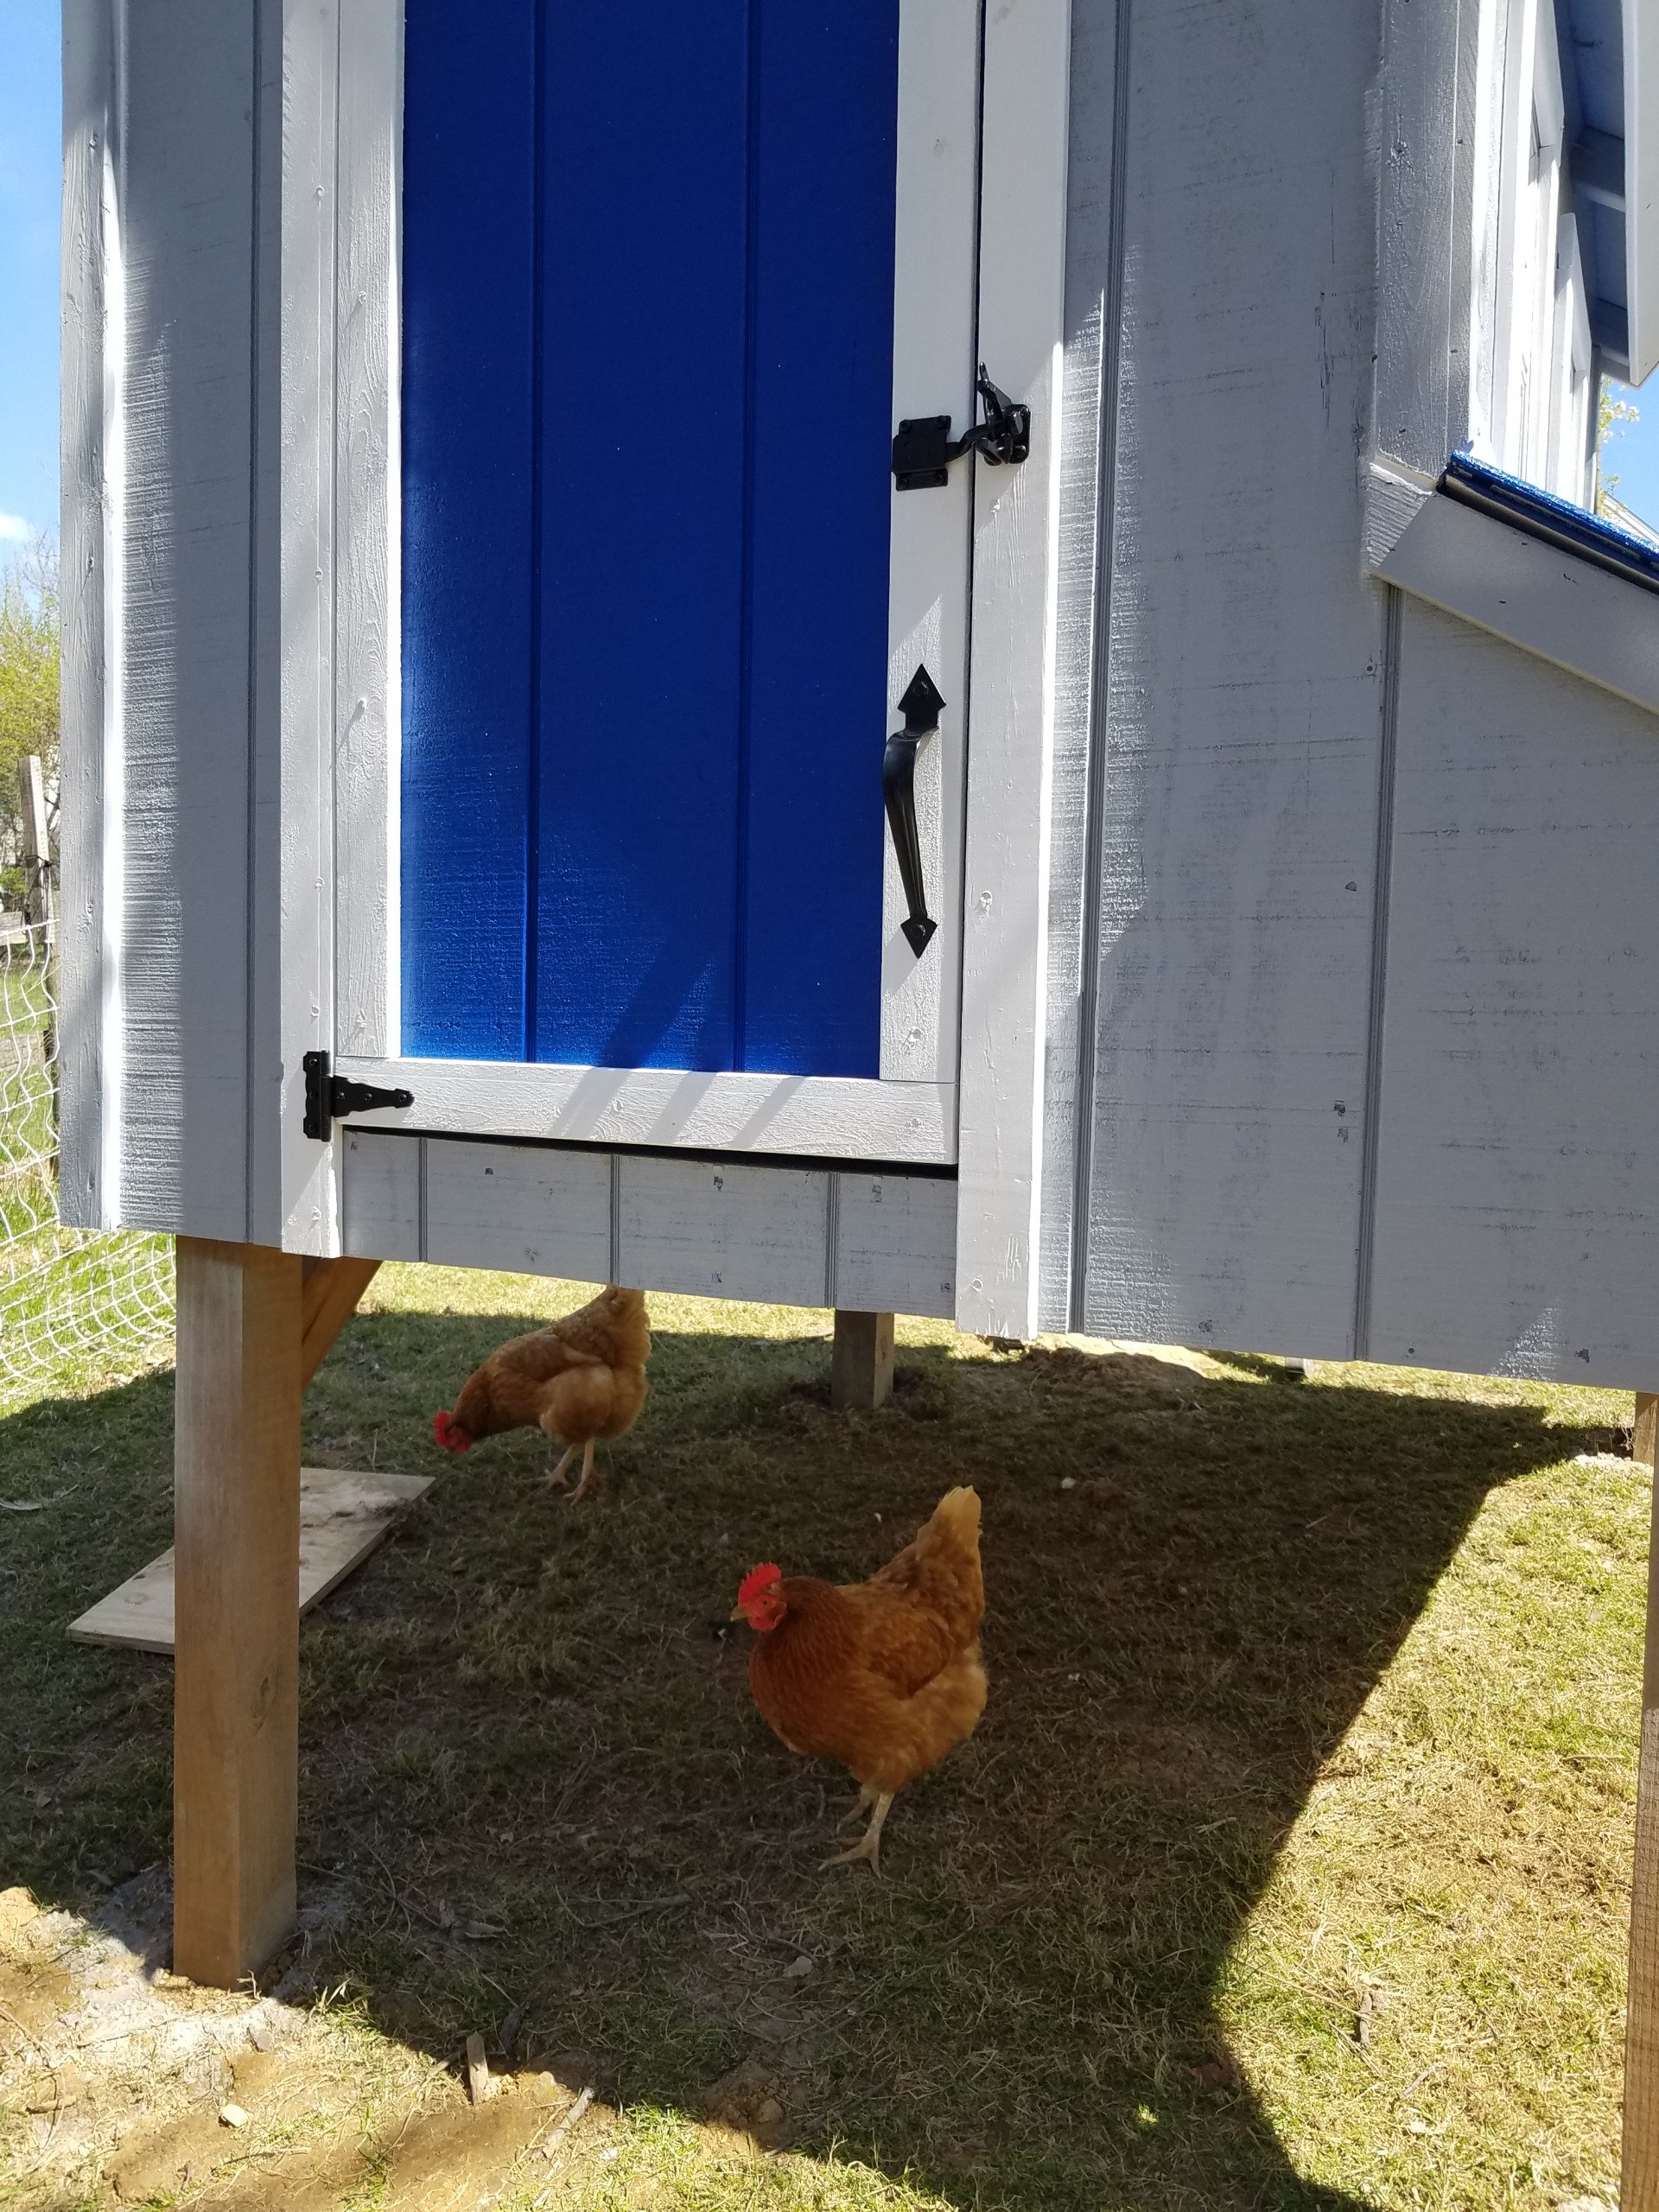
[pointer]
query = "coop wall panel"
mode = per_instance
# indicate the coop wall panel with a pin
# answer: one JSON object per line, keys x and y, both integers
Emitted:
{"x": 184, "y": 658}
{"x": 723, "y": 1230}
{"x": 648, "y": 310}
{"x": 380, "y": 1186}
{"x": 1234, "y": 806}
{"x": 895, "y": 1244}
{"x": 1517, "y": 1195}
{"x": 540, "y": 1213}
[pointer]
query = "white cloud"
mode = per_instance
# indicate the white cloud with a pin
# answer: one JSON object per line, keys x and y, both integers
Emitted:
{"x": 14, "y": 531}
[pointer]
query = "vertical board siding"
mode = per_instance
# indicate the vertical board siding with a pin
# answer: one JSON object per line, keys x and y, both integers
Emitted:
{"x": 648, "y": 314}
{"x": 1241, "y": 688}
{"x": 825, "y": 123}
{"x": 717, "y": 1229}
{"x": 469, "y": 184}
{"x": 187, "y": 219}
{"x": 1517, "y": 1194}
{"x": 641, "y": 484}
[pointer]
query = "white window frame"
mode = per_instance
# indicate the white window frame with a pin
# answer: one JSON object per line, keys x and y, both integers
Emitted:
{"x": 1520, "y": 431}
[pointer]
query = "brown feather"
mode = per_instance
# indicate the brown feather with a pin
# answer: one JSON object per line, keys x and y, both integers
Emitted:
{"x": 884, "y": 1676}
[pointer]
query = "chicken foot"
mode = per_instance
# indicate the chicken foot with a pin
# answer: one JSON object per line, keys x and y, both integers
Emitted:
{"x": 869, "y": 1844}
{"x": 554, "y": 1478}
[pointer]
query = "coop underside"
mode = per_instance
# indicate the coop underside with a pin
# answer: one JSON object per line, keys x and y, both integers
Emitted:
{"x": 253, "y": 1325}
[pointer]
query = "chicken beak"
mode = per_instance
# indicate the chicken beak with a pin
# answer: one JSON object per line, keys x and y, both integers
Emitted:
{"x": 737, "y": 1613}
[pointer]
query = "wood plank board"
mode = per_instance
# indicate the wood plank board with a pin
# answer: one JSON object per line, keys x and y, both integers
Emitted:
{"x": 343, "y": 1515}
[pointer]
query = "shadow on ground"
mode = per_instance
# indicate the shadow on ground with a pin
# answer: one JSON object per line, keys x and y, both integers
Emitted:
{"x": 531, "y": 1769}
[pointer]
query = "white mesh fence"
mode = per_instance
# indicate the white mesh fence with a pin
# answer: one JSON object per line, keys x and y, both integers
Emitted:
{"x": 70, "y": 1302}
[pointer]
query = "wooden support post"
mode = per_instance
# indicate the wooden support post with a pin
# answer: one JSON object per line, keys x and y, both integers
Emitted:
{"x": 1646, "y": 1434}
{"x": 327, "y": 1301}
{"x": 236, "y": 1550}
{"x": 860, "y": 1374}
{"x": 1639, "y": 2191}
{"x": 37, "y": 842}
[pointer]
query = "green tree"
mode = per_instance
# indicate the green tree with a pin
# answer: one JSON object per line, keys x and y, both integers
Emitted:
{"x": 1613, "y": 412}
{"x": 28, "y": 688}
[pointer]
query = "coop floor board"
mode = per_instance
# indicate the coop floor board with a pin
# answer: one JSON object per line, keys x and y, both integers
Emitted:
{"x": 343, "y": 1515}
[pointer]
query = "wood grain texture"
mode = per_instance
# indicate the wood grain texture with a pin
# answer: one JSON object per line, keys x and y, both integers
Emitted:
{"x": 367, "y": 528}
{"x": 188, "y": 406}
{"x": 1570, "y": 611}
{"x": 382, "y": 1194}
{"x": 927, "y": 622}
{"x": 89, "y": 1193}
{"x": 861, "y": 1365}
{"x": 824, "y": 1115}
{"x": 895, "y": 1243}
{"x": 343, "y": 1516}
{"x": 1639, "y": 2179}
{"x": 1517, "y": 1155}
{"x": 801, "y": 1236}
{"x": 292, "y": 842}
{"x": 725, "y": 1231}
{"x": 1421, "y": 326}
{"x": 328, "y": 1300}
{"x": 1241, "y": 723}
{"x": 1015, "y": 582}
{"x": 237, "y": 1535}
{"x": 1644, "y": 1439}
{"x": 1101, "y": 30}
{"x": 528, "y": 1212}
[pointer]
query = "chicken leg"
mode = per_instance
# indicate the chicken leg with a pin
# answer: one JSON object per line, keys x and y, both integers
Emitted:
{"x": 589, "y": 1481}
{"x": 861, "y": 1803}
{"x": 554, "y": 1478}
{"x": 869, "y": 1844}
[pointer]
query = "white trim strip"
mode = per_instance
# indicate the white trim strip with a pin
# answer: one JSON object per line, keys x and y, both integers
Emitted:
{"x": 1585, "y": 619}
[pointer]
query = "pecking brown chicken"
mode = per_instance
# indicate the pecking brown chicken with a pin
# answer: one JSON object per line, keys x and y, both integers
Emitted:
{"x": 883, "y": 1676}
{"x": 579, "y": 1378}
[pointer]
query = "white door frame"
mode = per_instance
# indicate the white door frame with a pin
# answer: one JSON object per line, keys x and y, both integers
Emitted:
{"x": 992, "y": 857}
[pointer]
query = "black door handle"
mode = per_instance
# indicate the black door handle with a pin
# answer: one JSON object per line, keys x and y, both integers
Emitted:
{"x": 920, "y": 708}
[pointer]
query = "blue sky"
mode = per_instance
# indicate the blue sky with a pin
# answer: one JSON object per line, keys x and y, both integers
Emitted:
{"x": 30, "y": 157}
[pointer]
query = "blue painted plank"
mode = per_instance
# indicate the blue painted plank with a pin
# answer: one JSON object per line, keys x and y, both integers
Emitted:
{"x": 469, "y": 162}
{"x": 824, "y": 153}
{"x": 645, "y": 214}
{"x": 648, "y": 333}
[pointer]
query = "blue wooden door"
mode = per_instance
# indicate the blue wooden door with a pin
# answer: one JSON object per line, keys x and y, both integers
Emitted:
{"x": 647, "y": 392}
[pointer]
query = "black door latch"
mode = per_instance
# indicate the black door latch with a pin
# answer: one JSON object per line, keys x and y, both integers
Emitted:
{"x": 328, "y": 1094}
{"x": 920, "y": 708}
{"x": 924, "y": 449}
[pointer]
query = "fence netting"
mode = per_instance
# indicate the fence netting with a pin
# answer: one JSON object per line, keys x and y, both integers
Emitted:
{"x": 72, "y": 1305}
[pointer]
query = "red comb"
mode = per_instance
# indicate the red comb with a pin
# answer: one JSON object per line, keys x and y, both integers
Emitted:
{"x": 449, "y": 1433}
{"x": 757, "y": 1579}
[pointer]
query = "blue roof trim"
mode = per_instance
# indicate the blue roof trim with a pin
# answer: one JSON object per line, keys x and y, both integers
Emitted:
{"x": 1540, "y": 514}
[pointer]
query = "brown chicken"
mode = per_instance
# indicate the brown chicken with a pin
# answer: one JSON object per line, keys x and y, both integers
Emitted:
{"x": 581, "y": 1378}
{"x": 883, "y": 1676}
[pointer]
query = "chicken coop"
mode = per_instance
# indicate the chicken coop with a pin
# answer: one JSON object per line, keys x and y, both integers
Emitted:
{"x": 921, "y": 656}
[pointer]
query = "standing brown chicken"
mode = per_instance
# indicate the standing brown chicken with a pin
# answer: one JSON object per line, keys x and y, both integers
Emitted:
{"x": 883, "y": 1676}
{"x": 579, "y": 1378}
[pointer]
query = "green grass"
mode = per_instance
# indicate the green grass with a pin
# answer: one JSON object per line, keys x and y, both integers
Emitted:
{"x": 1287, "y": 1867}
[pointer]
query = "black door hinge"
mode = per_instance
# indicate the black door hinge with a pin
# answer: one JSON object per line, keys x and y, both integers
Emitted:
{"x": 328, "y": 1094}
{"x": 924, "y": 449}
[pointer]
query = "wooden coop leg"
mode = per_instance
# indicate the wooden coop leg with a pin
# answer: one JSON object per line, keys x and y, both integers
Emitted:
{"x": 860, "y": 1373}
{"x": 253, "y": 1324}
{"x": 1639, "y": 2191}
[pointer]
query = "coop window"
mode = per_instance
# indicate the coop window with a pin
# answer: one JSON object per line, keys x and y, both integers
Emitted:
{"x": 1532, "y": 412}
